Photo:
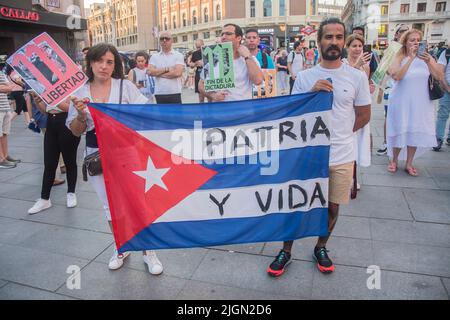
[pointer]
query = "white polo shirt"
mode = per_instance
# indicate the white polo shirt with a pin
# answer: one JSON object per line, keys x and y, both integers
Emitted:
{"x": 167, "y": 60}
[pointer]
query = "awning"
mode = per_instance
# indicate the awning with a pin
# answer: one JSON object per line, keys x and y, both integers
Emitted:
{"x": 30, "y": 17}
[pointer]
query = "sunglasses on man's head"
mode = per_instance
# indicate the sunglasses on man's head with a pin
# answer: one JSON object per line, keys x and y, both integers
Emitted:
{"x": 164, "y": 39}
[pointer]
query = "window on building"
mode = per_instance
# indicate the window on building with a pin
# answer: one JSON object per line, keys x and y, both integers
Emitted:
{"x": 205, "y": 15}
{"x": 165, "y": 23}
{"x": 195, "y": 36}
{"x": 175, "y": 39}
{"x": 440, "y": 6}
{"x": 218, "y": 33}
{"x": 422, "y": 7}
{"x": 206, "y": 35}
{"x": 419, "y": 26}
{"x": 282, "y": 8}
{"x": 185, "y": 38}
{"x": 194, "y": 17}
{"x": 383, "y": 30}
{"x": 218, "y": 12}
{"x": 252, "y": 9}
{"x": 174, "y": 22}
{"x": 267, "y": 8}
{"x": 384, "y": 10}
{"x": 184, "y": 20}
{"x": 404, "y": 8}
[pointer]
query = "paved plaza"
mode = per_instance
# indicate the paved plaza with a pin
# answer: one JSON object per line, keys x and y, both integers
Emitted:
{"x": 398, "y": 223}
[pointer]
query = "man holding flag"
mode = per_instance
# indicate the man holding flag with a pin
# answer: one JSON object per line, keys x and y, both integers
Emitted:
{"x": 350, "y": 112}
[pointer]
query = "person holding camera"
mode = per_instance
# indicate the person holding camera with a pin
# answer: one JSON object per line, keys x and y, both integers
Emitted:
{"x": 411, "y": 119}
{"x": 139, "y": 77}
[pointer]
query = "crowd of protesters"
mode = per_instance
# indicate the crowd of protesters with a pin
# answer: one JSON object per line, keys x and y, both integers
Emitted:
{"x": 339, "y": 61}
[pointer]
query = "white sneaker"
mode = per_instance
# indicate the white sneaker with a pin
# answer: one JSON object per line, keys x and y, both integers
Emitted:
{"x": 41, "y": 204}
{"x": 71, "y": 200}
{"x": 154, "y": 265}
{"x": 116, "y": 260}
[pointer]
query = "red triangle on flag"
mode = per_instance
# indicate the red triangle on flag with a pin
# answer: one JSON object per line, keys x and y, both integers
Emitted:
{"x": 125, "y": 158}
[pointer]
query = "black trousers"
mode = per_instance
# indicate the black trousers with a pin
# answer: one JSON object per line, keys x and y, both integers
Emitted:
{"x": 59, "y": 139}
{"x": 168, "y": 98}
{"x": 21, "y": 104}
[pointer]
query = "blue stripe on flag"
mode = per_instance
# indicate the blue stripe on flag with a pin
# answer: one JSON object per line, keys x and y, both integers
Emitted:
{"x": 310, "y": 163}
{"x": 188, "y": 234}
{"x": 165, "y": 117}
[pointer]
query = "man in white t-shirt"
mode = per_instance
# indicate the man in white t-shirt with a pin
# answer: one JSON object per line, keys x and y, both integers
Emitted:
{"x": 444, "y": 102}
{"x": 296, "y": 63}
{"x": 350, "y": 112}
{"x": 167, "y": 68}
{"x": 246, "y": 69}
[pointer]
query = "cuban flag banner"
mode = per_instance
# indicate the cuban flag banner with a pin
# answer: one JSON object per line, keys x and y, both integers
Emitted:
{"x": 197, "y": 175}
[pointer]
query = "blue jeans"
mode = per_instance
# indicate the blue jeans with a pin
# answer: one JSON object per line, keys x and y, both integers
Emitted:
{"x": 442, "y": 116}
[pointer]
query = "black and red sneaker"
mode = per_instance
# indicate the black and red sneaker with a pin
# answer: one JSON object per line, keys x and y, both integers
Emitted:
{"x": 324, "y": 263}
{"x": 280, "y": 263}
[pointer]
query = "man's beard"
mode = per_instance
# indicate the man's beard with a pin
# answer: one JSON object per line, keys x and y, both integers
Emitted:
{"x": 329, "y": 57}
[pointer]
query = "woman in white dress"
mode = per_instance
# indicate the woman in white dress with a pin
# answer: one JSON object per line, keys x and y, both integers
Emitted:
{"x": 411, "y": 113}
{"x": 105, "y": 72}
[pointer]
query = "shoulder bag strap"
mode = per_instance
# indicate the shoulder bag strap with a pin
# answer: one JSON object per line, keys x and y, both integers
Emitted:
{"x": 121, "y": 90}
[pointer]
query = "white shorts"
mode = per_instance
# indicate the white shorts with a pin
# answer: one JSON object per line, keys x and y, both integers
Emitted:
{"x": 5, "y": 123}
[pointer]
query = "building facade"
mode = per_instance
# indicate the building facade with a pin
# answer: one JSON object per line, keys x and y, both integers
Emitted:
{"x": 279, "y": 22}
{"x": 127, "y": 24}
{"x": 22, "y": 20}
{"x": 381, "y": 18}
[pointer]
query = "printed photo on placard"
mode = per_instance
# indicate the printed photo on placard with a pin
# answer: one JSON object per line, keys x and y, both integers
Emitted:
{"x": 268, "y": 88}
{"x": 47, "y": 69}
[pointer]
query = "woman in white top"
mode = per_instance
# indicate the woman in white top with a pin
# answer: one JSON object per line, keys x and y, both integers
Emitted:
{"x": 139, "y": 75}
{"x": 57, "y": 140}
{"x": 105, "y": 72}
{"x": 411, "y": 115}
{"x": 360, "y": 60}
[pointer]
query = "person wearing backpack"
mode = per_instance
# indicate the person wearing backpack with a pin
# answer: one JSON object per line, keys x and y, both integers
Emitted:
{"x": 296, "y": 63}
{"x": 252, "y": 43}
{"x": 444, "y": 102}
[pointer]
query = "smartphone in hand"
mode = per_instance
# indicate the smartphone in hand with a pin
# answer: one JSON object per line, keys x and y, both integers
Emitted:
{"x": 422, "y": 47}
{"x": 367, "y": 48}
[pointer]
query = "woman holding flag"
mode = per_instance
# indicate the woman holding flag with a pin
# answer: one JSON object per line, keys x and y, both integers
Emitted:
{"x": 106, "y": 85}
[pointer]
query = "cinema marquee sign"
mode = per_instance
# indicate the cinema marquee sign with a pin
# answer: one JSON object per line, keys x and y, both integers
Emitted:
{"x": 19, "y": 14}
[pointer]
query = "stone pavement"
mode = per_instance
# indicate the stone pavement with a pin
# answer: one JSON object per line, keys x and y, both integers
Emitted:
{"x": 399, "y": 223}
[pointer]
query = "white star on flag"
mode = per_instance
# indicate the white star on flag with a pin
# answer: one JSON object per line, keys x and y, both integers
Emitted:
{"x": 152, "y": 175}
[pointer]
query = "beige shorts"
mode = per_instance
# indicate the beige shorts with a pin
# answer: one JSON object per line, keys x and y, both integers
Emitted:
{"x": 5, "y": 123}
{"x": 340, "y": 183}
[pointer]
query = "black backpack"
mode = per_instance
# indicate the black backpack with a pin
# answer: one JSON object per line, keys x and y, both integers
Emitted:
{"x": 265, "y": 63}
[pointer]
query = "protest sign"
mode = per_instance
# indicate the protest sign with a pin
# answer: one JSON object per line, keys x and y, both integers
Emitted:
{"x": 268, "y": 88}
{"x": 247, "y": 172}
{"x": 218, "y": 66}
{"x": 47, "y": 69}
{"x": 388, "y": 58}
